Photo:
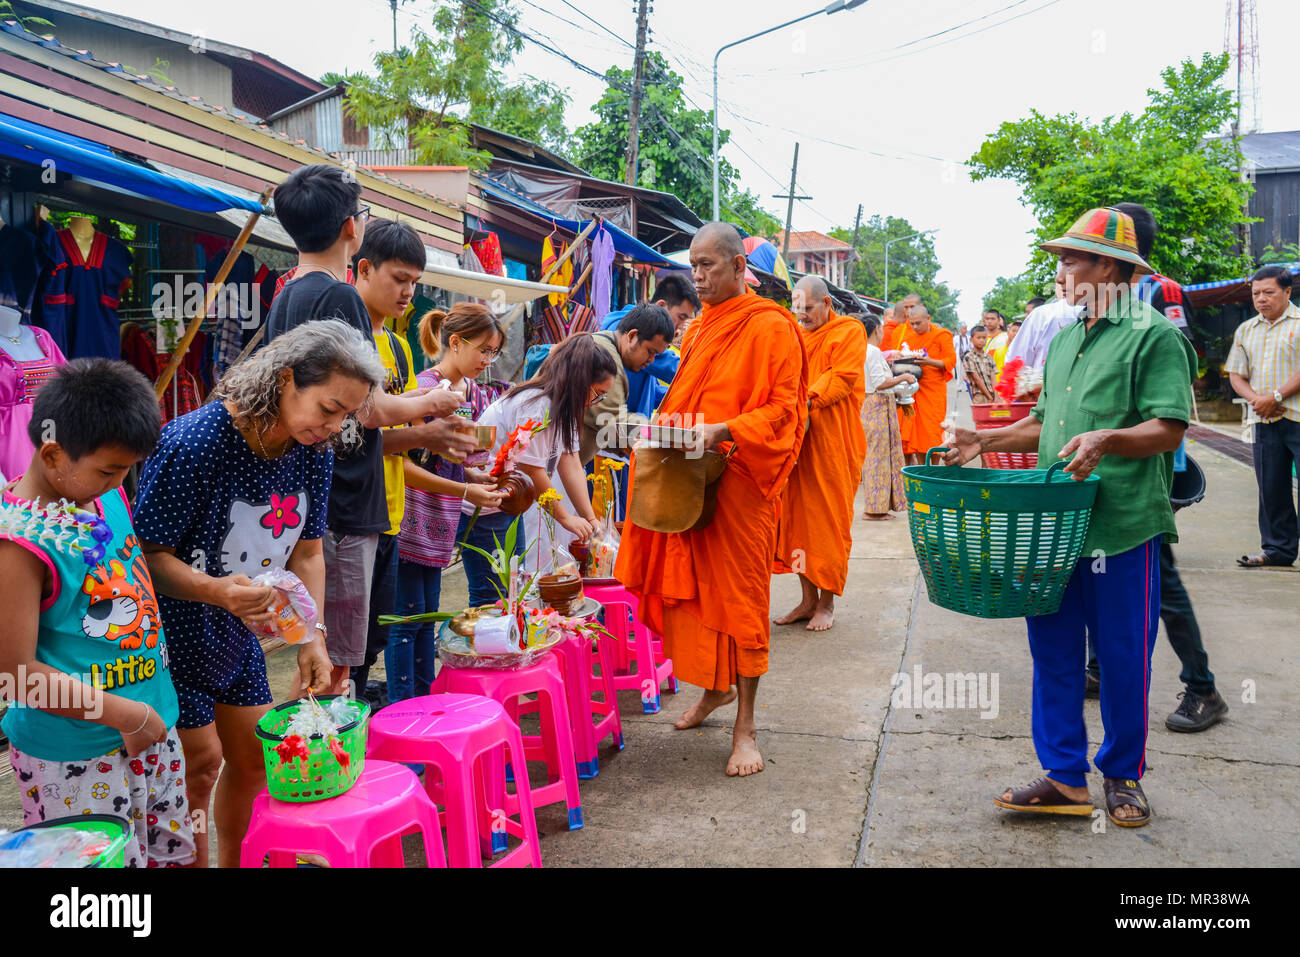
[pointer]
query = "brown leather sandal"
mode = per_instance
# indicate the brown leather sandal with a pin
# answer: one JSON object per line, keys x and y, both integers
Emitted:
{"x": 1260, "y": 561}
{"x": 1121, "y": 791}
{"x": 1042, "y": 797}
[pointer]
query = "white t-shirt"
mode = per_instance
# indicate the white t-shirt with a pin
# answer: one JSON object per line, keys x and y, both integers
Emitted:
{"x": 1039, "y": 329}
{"x": 877, "y": 369}
{"x": 508, "y": 413}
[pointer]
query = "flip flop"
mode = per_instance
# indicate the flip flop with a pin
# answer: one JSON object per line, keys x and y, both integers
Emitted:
{"x": 1042, "y": 797}
{"x": 1120, "y": 791}
{"x": 1260, "y": 561}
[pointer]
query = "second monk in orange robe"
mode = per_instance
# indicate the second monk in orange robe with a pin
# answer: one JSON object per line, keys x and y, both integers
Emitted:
{"x": 922, "y": 430}
{"x": 743, "y": 382}
{"x": 817, "y": 507}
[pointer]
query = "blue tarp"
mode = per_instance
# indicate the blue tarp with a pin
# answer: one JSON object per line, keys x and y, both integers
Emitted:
{"x": 75, "y": 156}
{"x": 623, "y": 243}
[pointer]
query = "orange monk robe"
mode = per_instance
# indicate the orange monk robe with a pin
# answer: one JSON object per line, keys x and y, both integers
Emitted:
{"x": 889, "y": 333}
{"x": 817, "y": 507}
{"x": 706, "y": 592}
{"x": 923, "y": 429}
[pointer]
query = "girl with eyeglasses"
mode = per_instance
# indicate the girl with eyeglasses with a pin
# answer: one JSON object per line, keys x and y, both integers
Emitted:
{"x": 575, "y": 374}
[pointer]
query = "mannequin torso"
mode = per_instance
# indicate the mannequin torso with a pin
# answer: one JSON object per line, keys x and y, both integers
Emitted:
{"x": 16, "y": 339}
{"x": 83, "y": 231}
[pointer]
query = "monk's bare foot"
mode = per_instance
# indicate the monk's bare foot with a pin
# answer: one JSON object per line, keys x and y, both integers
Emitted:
{"x": 709, "y": 702}
{"x": 822, "y": 619}
{"x": 803, "y": 611}
{"x": 745, "y": 759}
{"x": 874, "y": 517}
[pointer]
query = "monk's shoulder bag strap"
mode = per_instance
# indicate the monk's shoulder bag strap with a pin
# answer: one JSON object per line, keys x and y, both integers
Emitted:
{"x": 675, "y": 490}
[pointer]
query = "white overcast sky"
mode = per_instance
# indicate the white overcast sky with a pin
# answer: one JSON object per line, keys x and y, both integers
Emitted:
{"x": 884, "y": 117}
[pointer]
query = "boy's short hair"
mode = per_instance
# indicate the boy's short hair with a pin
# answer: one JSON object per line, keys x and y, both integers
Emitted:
{"x": 388, "y": 240}
{"x": 649, "y": 321}
{"x": 91, "y": 403}
{"x": 676, "y": 288}
{"x": 314, "y": 202}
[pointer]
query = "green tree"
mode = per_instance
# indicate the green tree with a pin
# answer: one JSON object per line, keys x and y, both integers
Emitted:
{"x": 913, "y": 266}
{"x": 675, "y": 149}
{"x": 423, "y": 94}
{"x": 1010, "y": 293}
{"x": 1174, "y": 158}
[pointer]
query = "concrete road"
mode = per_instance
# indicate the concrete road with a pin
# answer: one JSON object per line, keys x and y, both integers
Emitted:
{"x": 853, "y": 779}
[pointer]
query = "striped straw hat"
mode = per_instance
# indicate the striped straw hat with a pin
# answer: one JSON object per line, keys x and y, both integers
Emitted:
{"x": 1106, "y": 232}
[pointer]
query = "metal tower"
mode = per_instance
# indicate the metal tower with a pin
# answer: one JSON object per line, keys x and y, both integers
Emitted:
{"x": 1241, "y": 42}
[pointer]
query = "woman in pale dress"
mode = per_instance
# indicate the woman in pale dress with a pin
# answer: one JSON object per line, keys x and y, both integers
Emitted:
{"x": 882, "y": 478}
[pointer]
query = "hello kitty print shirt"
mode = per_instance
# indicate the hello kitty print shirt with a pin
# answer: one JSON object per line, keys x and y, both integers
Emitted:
{"x": 226, "y": 511}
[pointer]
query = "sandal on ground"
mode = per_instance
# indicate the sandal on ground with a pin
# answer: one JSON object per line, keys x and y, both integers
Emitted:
{"x": 1260, "y": 561}
{"x": 1042, "y": 797}
{"x": 1121, "y": 791}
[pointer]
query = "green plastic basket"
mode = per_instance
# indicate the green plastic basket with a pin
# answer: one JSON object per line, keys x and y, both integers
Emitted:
{"x": 997, "y": 543}
{"x": 325, "y": 779}
{"x": 119, "y": 830}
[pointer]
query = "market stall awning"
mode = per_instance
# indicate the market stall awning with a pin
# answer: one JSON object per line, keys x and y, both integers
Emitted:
{"x": 628, "y": 245}
{"x": 1226, "y": 291}
{"x": 74, "y": 156}
{"x": 482, "y": 286}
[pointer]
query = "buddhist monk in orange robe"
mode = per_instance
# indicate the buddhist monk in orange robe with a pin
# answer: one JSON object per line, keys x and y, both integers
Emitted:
{"x": 896, "y": 324}
{"x": 743, "y": 386}
{"x": 817, "y": 506}
{"x": 922, "y": 430}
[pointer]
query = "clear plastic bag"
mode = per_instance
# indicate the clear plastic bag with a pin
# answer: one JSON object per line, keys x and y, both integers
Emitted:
{"x": 55, "y": 847}
{"x": 295, "y": 612}
{"x": 603, "y": 548}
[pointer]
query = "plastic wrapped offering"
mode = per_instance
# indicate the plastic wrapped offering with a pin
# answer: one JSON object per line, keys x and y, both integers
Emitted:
{"x": 53, "y": 847}
{"x": 295, "y": 612}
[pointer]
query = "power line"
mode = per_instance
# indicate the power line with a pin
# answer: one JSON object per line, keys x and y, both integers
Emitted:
{"x": 598, "y": 23}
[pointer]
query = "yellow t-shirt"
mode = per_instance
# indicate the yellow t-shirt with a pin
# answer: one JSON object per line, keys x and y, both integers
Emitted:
{"x": 997, "y": 348}
{"x": 394, "y": 484}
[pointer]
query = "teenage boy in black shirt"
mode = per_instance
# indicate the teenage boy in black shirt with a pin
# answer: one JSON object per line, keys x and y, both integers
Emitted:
{"x": 320, "y": 207}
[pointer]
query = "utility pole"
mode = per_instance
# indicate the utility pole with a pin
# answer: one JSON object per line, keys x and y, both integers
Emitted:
{"x": 394, "y": 5}
{"x": 789, "y": 209}
{"x": 857, "y": 224}
{"x": 634, "y": 113}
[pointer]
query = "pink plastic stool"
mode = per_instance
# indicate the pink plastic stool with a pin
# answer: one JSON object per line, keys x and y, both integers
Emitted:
{"x": 456, "y": 734}
{"x": 554, "y": 745}
{"x": 362, "y": 827}
{"x": 577, "y": 657}
{"x": 635, "y": 641}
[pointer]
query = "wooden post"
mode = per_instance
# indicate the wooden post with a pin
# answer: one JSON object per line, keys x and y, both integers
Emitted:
{"x": 214, "y": 289}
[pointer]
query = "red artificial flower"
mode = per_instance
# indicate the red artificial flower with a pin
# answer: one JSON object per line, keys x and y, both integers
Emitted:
{"x": 336, "y": 749}
{"x": 1007, "y": 381}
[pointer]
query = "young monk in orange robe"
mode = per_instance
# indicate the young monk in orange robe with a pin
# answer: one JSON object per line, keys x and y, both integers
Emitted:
{"x": 896, "y": 325}
{"x": 922, "y": 430}
{"x": 742, "y": 382}
{"x": 817, "y": 507}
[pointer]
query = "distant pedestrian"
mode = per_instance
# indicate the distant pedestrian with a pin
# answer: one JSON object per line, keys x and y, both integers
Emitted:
{"x": 1264, "y": 369}
{"x": 981, "y": 370}
{"x": 882, "y": 471}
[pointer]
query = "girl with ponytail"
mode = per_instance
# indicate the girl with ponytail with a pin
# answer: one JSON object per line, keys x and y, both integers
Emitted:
{"x": 576, "y": 374}
{"x": 464, "y": 341}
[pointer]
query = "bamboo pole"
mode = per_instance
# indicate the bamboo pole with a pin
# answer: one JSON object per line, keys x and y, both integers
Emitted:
{"x": 214, "y": 289}
{"x": 573, "y": 248}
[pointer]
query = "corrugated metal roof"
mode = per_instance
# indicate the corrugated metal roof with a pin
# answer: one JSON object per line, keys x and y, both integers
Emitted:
{"x": 13, "y": 28}
{"x": 1272, "y": 151}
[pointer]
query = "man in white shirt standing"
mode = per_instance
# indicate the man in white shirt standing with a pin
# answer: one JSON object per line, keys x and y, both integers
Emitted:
{"x": 1264, "y": 369}
{"x": 1039, "y": 328}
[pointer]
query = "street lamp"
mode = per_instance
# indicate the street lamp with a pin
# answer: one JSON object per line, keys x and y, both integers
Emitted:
{"x": 834, "y": 7}
{"x": 891, "y": 242}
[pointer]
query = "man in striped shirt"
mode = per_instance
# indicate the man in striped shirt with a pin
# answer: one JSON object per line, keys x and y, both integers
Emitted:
{"x": 1264, "y": 369}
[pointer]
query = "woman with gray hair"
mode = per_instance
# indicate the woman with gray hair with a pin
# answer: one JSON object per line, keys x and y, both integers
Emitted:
{"x": 233, "y": 490}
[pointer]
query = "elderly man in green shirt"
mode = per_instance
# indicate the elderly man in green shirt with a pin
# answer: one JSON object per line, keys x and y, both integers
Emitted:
{"x": 1116, "y": 400}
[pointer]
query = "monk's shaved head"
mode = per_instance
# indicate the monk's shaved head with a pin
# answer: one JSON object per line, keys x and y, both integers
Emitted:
{"x": 814, "y": 287}
{"x": 723, "y": 238}
{"x": 919, "y": 309}
{"x": 809, "y": 302}
{"x": 718, "y": 263}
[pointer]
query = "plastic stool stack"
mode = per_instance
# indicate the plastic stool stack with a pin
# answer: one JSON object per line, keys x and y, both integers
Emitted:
{"x": 640, "y": 651}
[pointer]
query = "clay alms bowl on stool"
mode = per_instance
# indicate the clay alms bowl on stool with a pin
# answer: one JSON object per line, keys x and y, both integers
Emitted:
{"x": 561, "y": 592}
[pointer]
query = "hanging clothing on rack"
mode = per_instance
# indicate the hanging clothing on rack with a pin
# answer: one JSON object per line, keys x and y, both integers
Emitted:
{"x": 602, "y": 265}
{"x": 235, "y": 309}
{"x": 563, "y": 276}
{"x": 79, "y": 308}
{"x": 184, "y": 393}
{"x": 19, "y": 383}
{"x": 488, "y": 251}
{"x": 19, "y": 269}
